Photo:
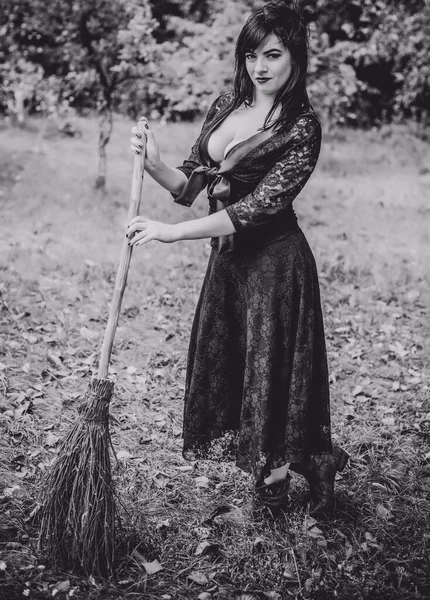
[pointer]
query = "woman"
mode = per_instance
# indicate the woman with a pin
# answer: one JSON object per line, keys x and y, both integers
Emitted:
{"x": 257, "y": 383}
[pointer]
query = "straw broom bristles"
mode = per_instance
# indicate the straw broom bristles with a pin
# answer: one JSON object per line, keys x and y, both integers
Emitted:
{"x": 78, "y": 514}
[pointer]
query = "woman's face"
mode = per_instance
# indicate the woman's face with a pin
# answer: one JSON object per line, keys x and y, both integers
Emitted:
{"x": 269, "y": 65}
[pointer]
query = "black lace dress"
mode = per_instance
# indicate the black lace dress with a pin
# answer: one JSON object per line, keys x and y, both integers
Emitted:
{"x": 257, "y": 388}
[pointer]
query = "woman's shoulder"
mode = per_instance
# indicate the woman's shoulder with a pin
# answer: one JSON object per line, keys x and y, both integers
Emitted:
{"x": 307, "y": 122}
{"x": 304, "y": 126}
{"x": 222, "y": 101}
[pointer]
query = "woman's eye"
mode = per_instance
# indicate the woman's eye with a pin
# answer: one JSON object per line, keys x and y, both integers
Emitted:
{"x": 249, "y": 56}
{"x": 273, "y": 55}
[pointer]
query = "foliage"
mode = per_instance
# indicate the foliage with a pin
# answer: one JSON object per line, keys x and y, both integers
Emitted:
{"x": 370, "y": 59}
{"x": 92, "y": 46}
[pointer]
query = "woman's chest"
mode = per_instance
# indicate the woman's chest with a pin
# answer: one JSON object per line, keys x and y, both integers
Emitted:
{"x": 238, "y": 126}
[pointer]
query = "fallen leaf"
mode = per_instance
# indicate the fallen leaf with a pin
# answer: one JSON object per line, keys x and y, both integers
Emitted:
{"x": 310, "y": 522}
{"x": 150, "y": 567}
{"x": 51, "y": 439}
{"x": 123, "y": 455}
{"x": 290, "y": 571}
{"x": 61, "y": 586}
{"x": 88, "y": 334}
{"x": 202, "y": 547}
{"x": 13, "y": 546}
{"x": 412, "y": 296}
{"x": 30, "y": 338}
{"x": 55, "y": 360}
{"x": 15, "y": 491}
{"x": 205, "y": 548}
{"x": 357, "y": 390}
{"x": 201, "y": 482}
{"x": 383, "y": 512}
{"x": 160, "y": 479}
{"x": 361, "y": 398}
{"x": 198, "y": 577}
{"x": 163, "y": 524}
{"x": 398, "y": 349}
{"x": 226, "y": 513}
{"x": 24, "y": 409}
{"x": 3, "y": 565}
{"x": 21, "y": 397}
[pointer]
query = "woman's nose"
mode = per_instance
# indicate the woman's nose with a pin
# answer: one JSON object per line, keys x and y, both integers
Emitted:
{"x": 261, "y": 65}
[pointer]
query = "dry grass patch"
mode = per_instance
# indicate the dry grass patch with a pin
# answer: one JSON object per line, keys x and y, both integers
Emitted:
{"x": 364, "y": 214}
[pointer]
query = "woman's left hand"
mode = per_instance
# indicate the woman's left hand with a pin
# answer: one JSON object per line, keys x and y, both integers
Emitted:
{"x": 141, "y": 230}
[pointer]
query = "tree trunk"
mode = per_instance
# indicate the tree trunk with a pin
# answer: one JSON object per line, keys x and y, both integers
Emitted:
{"x": 19, "y": 96}
{"x": 105, "y": 130}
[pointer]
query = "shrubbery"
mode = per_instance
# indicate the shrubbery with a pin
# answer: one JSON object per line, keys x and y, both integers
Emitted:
{"x": 370, "y": 58}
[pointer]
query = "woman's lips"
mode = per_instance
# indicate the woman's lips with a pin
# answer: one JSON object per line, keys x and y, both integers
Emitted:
{"x": 262, "y": 79}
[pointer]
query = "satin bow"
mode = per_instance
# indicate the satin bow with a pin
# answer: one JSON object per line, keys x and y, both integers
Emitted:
{"x": 219, "y": 190}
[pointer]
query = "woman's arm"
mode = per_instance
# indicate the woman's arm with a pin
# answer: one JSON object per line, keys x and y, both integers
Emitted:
{"x": 169, "y": 178}
{"x": 142, "y": 230}
{"x": 277, "y": 190}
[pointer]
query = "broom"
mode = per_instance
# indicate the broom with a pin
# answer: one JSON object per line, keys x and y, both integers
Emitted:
{"x": 79, "y": 517}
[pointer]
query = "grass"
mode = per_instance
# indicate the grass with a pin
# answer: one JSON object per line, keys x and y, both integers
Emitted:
{"x": 365, "y": 213}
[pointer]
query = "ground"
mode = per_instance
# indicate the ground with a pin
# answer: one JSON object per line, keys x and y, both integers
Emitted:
{"x": 366, "y": 215}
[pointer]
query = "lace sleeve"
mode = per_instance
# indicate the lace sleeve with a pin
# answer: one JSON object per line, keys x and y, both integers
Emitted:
{"x": 277, "y": 190}
{"x": 194, "y": 160}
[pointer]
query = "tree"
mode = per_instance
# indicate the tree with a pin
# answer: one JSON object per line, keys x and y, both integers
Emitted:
{"x": 370, "y": 59}
{"x": 200, "y": 62}
{"x": 92, "y": 46}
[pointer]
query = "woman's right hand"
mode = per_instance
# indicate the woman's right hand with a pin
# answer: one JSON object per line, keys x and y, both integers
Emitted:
{"x": 152, "y": 157}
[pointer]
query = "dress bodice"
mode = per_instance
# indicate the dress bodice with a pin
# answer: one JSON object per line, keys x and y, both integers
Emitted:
{"x": 259, "y": 177}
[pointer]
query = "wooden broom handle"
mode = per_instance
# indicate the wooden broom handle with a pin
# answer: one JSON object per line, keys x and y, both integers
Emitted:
{"x": 124, "y": 262}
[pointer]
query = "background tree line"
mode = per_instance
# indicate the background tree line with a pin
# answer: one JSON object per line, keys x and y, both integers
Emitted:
{"x": 167, "y": 58}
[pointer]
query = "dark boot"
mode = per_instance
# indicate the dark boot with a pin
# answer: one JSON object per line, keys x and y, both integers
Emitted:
{"x": 272, "y": 497}
{"x": 320, "y": 471}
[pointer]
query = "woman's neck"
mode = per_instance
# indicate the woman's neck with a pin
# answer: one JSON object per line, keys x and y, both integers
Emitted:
{"x": 263, "y": 101}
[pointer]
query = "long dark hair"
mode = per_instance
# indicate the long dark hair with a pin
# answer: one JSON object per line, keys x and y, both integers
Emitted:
{"x": 284, "y": 20}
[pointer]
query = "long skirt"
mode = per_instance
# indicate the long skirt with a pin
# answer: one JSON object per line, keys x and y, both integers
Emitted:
{"x": 257, "y": 388}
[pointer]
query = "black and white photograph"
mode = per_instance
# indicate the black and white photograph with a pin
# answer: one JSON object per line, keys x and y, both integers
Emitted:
{"x": 215, "y": 299}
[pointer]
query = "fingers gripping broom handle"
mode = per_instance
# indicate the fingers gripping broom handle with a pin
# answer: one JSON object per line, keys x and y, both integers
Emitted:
{"x": 124, "y": 263}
